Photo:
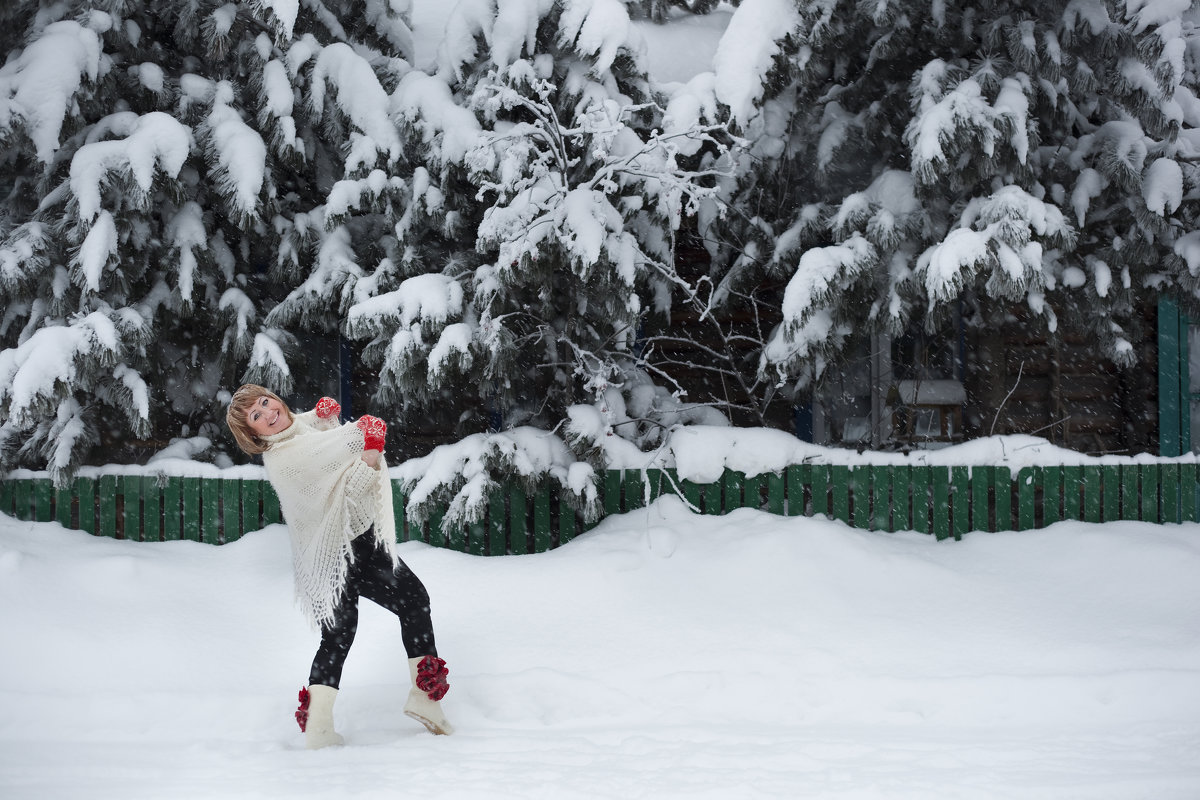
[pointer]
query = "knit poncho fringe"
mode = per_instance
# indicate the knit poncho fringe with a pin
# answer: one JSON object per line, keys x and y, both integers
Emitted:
{"x": 328, "y": 496}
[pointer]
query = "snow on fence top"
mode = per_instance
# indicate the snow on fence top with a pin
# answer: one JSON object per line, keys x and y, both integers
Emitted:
{"x": 700, "y": 453}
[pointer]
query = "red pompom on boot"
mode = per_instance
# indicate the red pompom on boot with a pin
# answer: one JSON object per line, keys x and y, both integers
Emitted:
{"x": 302, "y": 711}
{"x": 328, "y": 408}
{"x": 429, "y": 686}
{"x": 374, "y": 432}
{"x": 431, "y": 677}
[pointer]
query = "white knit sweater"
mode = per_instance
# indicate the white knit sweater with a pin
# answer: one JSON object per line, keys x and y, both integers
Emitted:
{"x": 328, "y": 496}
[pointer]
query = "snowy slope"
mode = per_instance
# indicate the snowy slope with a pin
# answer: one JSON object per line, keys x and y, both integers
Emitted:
{"x": 662, "y": 655}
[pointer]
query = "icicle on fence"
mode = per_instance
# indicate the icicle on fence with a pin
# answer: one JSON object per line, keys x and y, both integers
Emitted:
{"x": 943, "y": 501}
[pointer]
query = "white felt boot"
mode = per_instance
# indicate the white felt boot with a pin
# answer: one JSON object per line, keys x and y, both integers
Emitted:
{"x": 428, "y": 678}
{"x": 319, "y": 731}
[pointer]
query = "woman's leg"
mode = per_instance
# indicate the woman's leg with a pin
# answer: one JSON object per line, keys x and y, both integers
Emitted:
{"x": 336, "y": 638}
{"x": 398, "y": 590}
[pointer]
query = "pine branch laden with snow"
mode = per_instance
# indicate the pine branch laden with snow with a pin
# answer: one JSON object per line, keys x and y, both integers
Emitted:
{"x": 54, "y": 415}
{"x": 462, "y": 477}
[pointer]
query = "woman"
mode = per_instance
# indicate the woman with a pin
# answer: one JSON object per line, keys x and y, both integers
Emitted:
{"x": 336, "y": 499}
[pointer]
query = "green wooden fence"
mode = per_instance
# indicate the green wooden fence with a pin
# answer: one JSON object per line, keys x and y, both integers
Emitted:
{"x": 944, "y": 501}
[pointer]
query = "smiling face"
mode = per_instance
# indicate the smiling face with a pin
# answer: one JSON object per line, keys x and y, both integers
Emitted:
{"x": 267, "y": 416}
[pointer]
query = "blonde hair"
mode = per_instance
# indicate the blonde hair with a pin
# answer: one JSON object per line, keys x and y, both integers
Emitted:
{"x": 235, "y": 417}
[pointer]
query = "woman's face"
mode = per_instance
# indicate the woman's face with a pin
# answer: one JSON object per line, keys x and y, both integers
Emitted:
{"x": 267, "y": 416}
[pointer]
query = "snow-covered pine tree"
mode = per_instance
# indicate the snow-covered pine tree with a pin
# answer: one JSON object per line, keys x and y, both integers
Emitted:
{"x": 160, "y": 166}
{"x": 540, "y": 221}
{"x": 906, "y": 152}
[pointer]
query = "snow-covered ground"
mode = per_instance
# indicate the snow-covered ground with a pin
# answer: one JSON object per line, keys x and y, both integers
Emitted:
{"x": 662, "y": 655}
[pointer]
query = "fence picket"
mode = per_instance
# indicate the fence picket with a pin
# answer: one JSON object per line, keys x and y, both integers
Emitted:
{"x": 941, "y": 502}
{"x": 210, "y": 507}
{"x": 921, "y": 479}
{"x": 1003, "y": 483}
{"x": 1188, "y": 492}
{"x": 797, "y": 478}
{"x": 860, "y": 483}
{"x": 960, "y": 500}
{"x": 172, "y": 494}
{"x": 106, "y": 488}
{"x": 64, "y": 502}
{"x": 612, "y": 492}
{"x": 1130, "y": 507}
{"x": 231, "y": 510}
{"x": 1051, "y": 495}
{"x": 635, "y": 490}
{"x": 23, "y": 500}
{"x": 7, "y": 488}
{"x": 1148, "y": 494}
{"x": 901, "y": 487}
{"x": 496, "y": 512}
{"x": 191, "y": 509}
{"x": 692, "y": 495}
{"x": 252, "y": 518}
{"x": 1111, "y": 493}
{"x": 131, "y": 492}
{"x": 85, "y": 490}
{"x": 752, "y": 491}
{"x": 776, "y": 493}
{"x": 43, "y": 499}
{"x": 1028, "y": 480}
{"x": 839, "y": 478}
{"x": 566, "y": 520}
{"x": 881, "y": 498}
{"x": 1093, "y": 480}
{"x": 981, "y": 485}
{"x": 1169, "y": 481}
{"x": 152, "y": 509}
{"x": 1072, "y": 491}
{"x": 541, "y": 519}
{"x": 477, "y": 538}
{"x": 518, "y": 527}
{"x": 732, "y": 484}
{"x": 712, "y": 497}
{"x": 820, "y": 488}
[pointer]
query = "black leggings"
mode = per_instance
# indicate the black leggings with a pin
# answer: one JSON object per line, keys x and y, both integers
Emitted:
{"x": 370, "y": 575}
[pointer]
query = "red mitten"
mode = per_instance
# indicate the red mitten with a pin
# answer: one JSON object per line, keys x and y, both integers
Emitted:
{"x": 328, "y": 408}
{"x": 302, "y": 711}
{"x": 374, "y": 432}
